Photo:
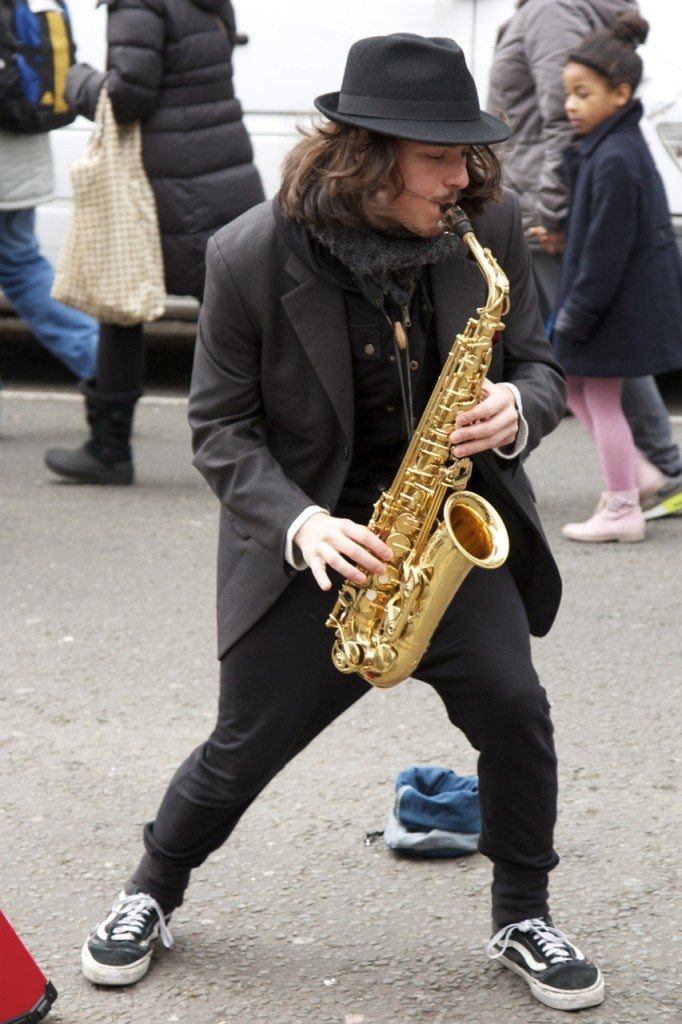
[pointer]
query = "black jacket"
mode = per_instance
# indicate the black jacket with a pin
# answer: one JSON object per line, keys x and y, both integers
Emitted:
{"x": 620, "y": 296}
{"x": 272, "y": 402}
{"x": 169, "y": 65}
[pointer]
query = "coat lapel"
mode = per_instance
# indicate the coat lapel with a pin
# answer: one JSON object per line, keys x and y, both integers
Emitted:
{"x": 318, "y": 315}
{"x": 458, "y": 290}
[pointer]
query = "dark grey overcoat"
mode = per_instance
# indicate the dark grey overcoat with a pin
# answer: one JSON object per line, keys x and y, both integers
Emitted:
{"x": 271, "y": 403}
{"x": 170, "y": 66}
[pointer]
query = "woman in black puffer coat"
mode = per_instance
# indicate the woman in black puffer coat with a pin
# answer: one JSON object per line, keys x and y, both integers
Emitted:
{"x": 169, "y": 66}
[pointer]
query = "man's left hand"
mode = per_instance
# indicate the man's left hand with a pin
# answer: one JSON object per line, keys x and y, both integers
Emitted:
{"x": 493, "y": 423}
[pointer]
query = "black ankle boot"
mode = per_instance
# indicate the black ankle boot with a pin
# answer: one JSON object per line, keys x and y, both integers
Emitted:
{"x": 105, "y": 458}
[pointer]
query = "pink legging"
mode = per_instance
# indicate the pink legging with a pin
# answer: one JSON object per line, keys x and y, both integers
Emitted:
{"x": 596, "y": 402}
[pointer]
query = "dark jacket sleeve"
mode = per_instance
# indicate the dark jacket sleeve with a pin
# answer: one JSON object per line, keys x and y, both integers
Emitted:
{"x": 83, "y": 84}
{"x": 135, "y": 41}
{"x": 227, "y": 418}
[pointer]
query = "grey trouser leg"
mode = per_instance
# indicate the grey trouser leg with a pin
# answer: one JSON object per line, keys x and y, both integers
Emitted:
{"x": 649, "y": 421}
{"x": 546, "y": 270}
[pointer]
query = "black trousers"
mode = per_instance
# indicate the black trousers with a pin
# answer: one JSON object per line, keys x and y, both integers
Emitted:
{"x": 279, "y": 689}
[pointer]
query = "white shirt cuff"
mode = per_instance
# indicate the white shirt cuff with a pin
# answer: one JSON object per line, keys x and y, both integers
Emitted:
{"x": 521, "y": 440}
{"x": 291, "y": 552}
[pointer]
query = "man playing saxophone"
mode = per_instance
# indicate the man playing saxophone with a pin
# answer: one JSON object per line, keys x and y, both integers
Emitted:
{"x": 328, "y": 314}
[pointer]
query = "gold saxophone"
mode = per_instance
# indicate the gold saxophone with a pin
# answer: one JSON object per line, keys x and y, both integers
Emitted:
{"x": 384, "y": 627}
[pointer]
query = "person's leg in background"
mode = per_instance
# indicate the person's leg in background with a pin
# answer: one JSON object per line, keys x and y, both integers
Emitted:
{"x": 546, "y": 270}
{"x": 26, "y": 279}
{"x": 597, "y": 402}
{"x": 660, "y": 477}
{"x": 660, "y": 482}
{"x": 110, "y": 398}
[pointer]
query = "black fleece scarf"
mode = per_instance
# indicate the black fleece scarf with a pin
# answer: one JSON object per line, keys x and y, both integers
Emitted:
{"x": 379, "y": 265}
{"x": 389, "y": 262}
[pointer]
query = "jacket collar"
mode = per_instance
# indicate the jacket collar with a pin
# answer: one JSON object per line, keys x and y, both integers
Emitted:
{"x": 626, "y": 118}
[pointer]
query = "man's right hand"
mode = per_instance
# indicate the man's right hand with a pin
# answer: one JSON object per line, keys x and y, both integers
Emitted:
{"x": 325, "y": 541}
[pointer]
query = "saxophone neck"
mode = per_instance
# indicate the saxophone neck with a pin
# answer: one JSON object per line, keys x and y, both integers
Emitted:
{"x": 456, "y": 222}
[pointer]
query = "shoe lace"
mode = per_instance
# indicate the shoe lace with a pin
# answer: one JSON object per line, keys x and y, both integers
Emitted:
{"x": 554, "y": 945}
{"x": 135, "y": 911}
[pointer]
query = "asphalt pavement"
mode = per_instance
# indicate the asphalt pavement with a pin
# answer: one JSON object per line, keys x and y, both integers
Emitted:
{"x": 108, "y": 678}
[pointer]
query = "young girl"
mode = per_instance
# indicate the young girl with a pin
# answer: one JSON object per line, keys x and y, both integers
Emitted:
{"x": 619, "y": 308}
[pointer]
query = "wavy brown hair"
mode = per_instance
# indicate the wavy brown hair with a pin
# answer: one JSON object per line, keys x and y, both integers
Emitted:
{"x": 341, "y": 175}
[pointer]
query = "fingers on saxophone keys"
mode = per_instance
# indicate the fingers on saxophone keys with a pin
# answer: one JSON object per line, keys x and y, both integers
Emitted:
{"x": 364, "y": 560}
{"x": 347, "y": 569}
{"x": 367, "y": 544}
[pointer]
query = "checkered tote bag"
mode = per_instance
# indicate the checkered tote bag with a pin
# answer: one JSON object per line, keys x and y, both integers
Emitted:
{"x": 110, "y": 264}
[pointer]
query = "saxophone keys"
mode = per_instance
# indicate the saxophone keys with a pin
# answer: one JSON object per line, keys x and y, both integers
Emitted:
{"x": 347, "y": 655}
{"x": 406, "y": 524}
{"x": 384, "y": 656}
{"x": 399, "y": 544}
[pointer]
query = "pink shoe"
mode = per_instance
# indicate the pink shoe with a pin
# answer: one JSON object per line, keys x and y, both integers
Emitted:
{"x": 618, "y": 516}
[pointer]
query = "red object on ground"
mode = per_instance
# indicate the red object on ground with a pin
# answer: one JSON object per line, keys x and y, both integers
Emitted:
{"x": 25, "y": 993}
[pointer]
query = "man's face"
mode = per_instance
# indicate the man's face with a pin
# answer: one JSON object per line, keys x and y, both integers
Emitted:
{"x": 433, "y": 177}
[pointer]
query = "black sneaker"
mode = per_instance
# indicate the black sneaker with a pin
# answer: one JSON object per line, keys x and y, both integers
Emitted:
{"x": 119, "y": 950}
{"x": 557, "y": 972}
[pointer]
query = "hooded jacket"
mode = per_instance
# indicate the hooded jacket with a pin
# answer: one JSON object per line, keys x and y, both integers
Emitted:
{"x": 526, "y": 89}
{"x": 169, "y": 65}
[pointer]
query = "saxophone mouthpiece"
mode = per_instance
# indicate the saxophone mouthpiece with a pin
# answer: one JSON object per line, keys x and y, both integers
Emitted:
{"x": 455, "y": 221}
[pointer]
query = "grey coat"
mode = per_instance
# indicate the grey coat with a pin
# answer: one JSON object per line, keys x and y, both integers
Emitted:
{"x": 271, "y": 402}
{"x": 526, "y": 89}
{"x": 169, "y": 65}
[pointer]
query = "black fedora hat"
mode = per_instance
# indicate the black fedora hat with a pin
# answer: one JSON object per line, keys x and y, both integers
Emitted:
{"x": 412, "y": 87}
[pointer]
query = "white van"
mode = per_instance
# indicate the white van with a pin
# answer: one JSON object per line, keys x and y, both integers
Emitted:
{"x": 297, "y": 50}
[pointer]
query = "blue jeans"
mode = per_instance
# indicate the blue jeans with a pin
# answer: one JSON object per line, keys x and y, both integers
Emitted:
{"x": 26, "y": 279}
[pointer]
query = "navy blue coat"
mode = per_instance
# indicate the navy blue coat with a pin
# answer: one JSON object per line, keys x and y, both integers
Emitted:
{"x": 620, "y": 295}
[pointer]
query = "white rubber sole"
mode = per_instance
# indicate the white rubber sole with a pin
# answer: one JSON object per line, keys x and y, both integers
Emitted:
{"x": 592, "y": 996}
{"x": 109, "y": 974}
{"x": 622, "y": 538}
{"x": 666, "y": 507}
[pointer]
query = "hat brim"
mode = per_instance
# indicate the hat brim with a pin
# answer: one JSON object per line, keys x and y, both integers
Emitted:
{"x": 484, "y": 130}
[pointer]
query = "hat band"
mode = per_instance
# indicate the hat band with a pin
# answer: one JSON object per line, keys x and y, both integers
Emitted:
{"x": 409, "y": 110}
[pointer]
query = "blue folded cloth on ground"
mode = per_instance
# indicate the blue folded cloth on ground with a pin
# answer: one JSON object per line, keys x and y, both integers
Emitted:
{"x": 435, "y": 813}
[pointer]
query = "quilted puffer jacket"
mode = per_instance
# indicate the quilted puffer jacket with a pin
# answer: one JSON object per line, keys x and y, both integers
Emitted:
{"x": 169, "y": 65}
